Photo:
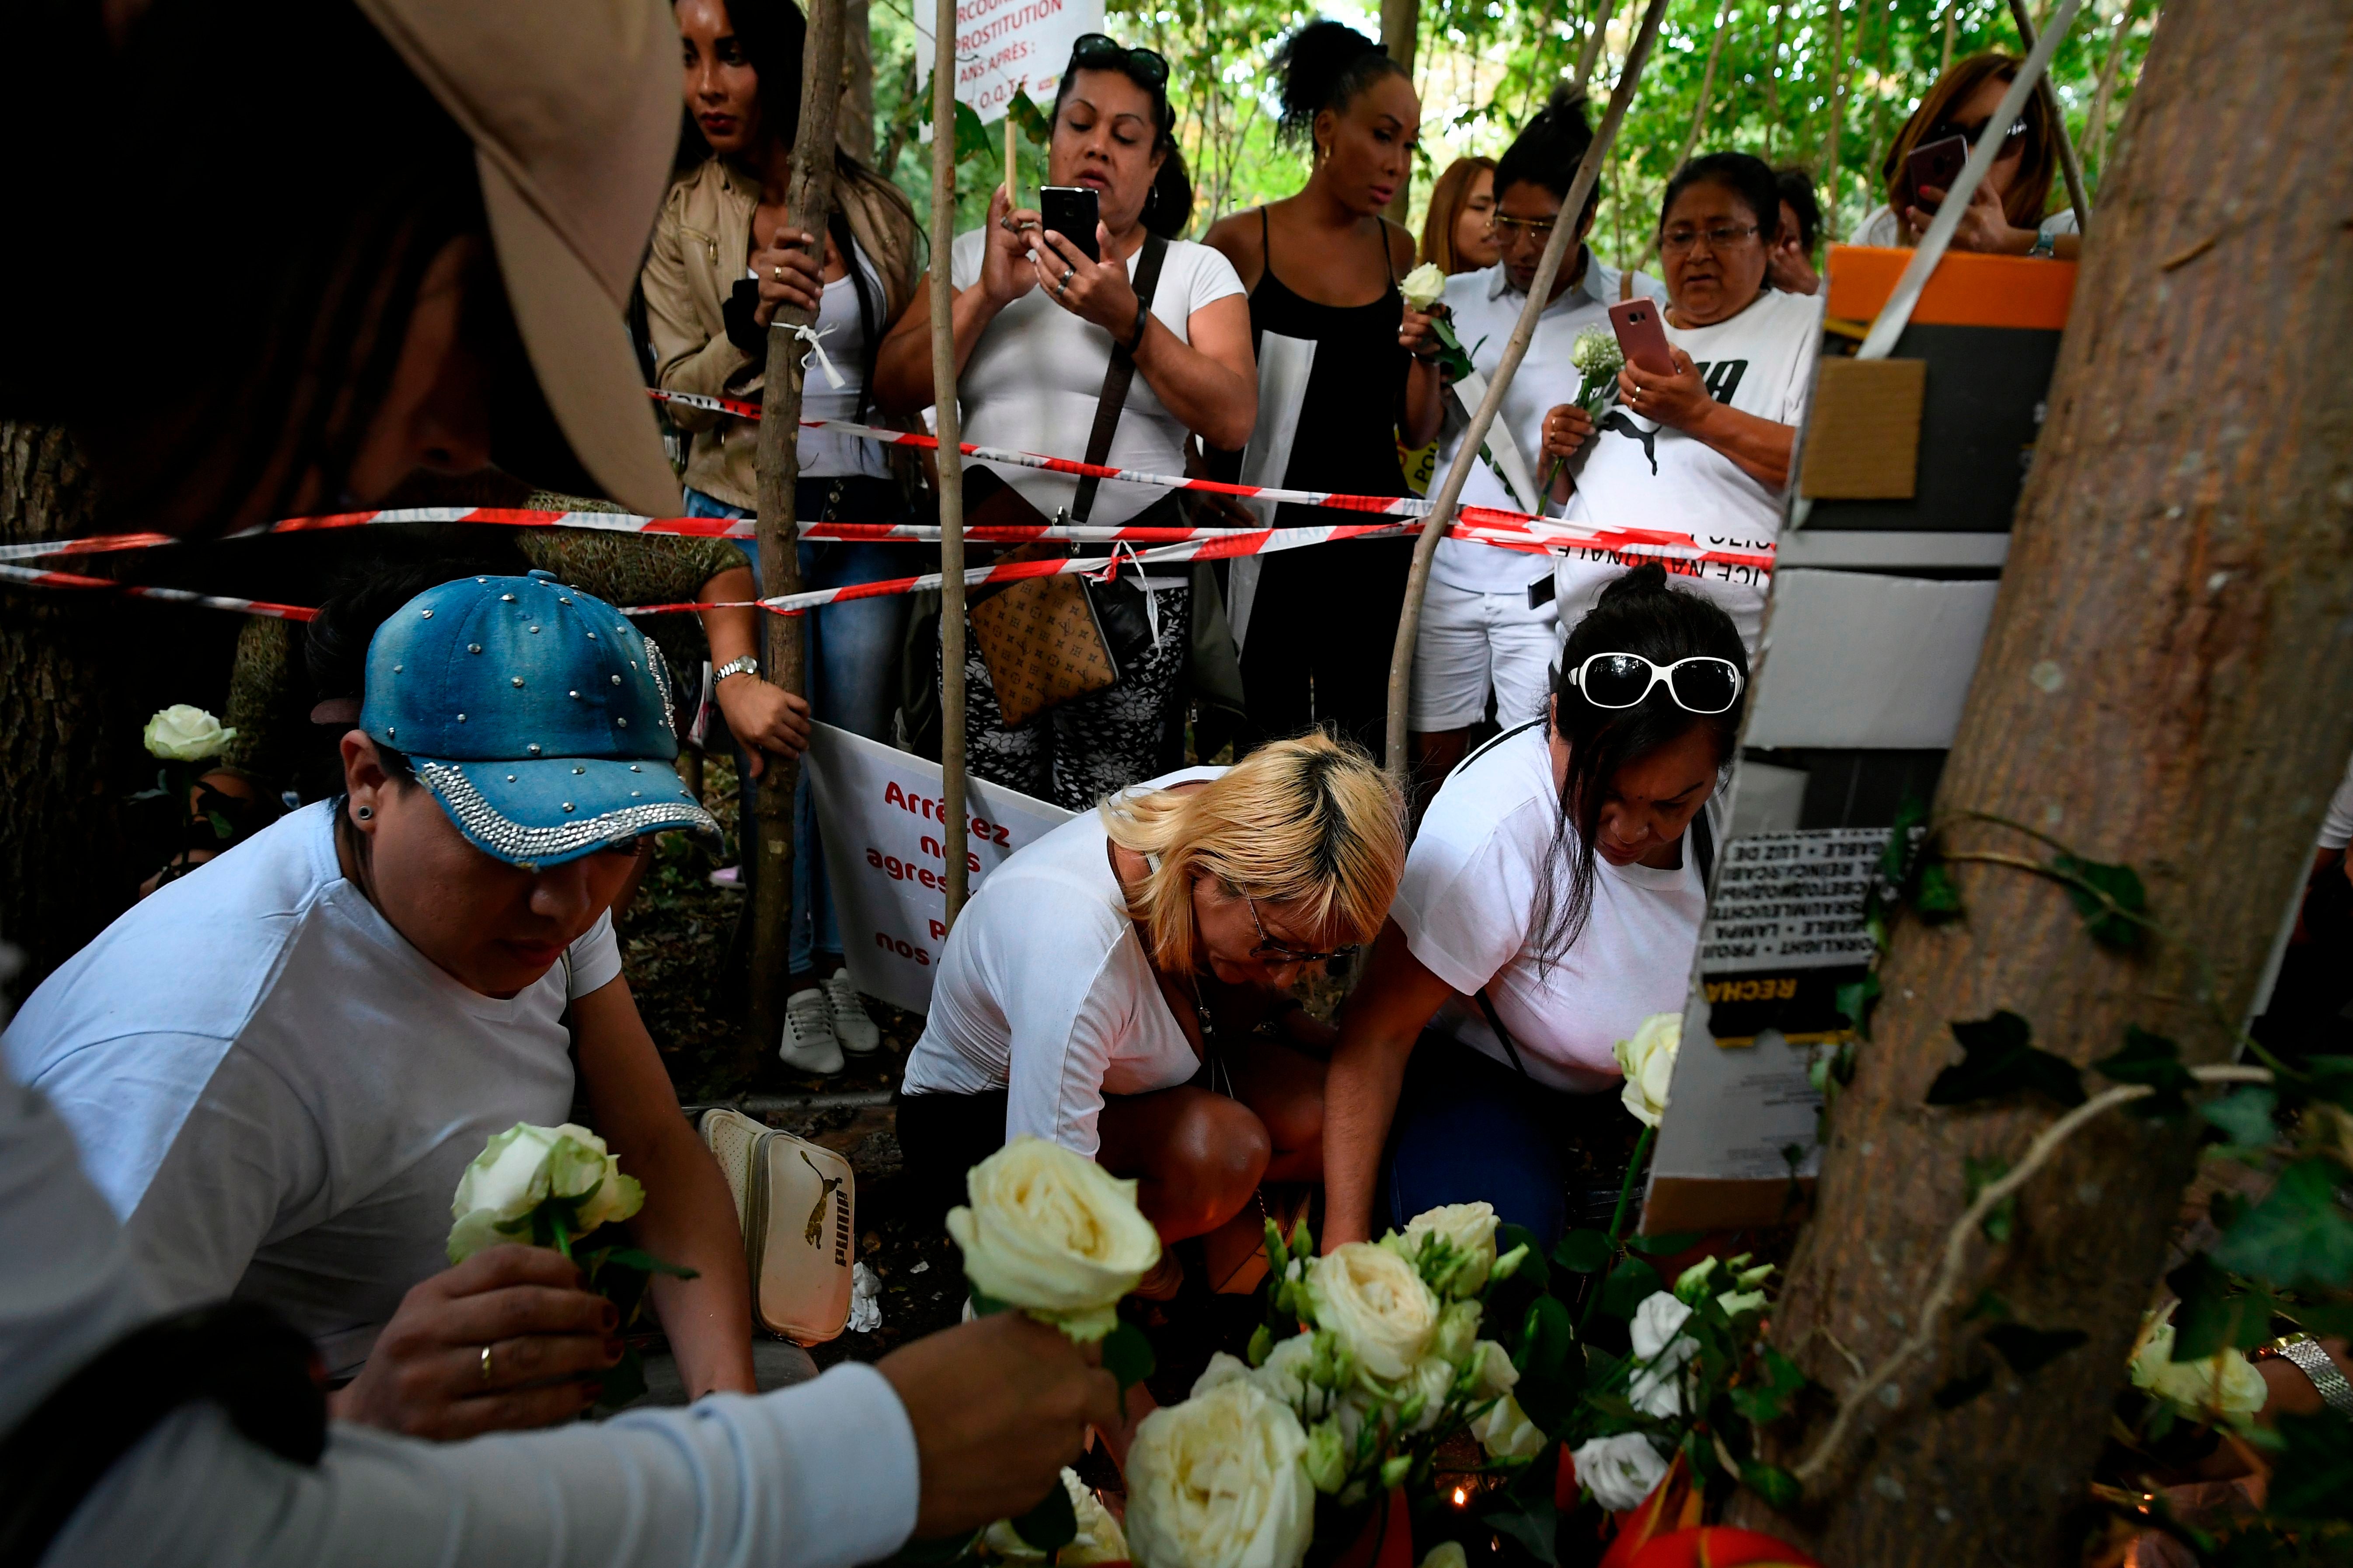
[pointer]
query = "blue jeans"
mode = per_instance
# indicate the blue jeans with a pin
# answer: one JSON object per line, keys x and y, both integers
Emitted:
{"x": 853, "y": 670}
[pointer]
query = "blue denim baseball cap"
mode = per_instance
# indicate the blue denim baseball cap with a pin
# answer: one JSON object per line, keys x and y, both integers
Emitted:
{"x": 539, "y": 717}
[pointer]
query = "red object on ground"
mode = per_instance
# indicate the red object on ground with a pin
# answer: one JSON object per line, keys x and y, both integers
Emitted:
{"x": 1720, "y": 1546}
{"x": 1388, "y": 1538}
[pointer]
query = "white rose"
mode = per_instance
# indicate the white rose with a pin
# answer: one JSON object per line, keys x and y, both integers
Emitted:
{"x": 1446, "y": 1554}
{"x": 1648, "y": 1060}
{"x": 2224, "y": 1385}
{"x": 1468, "y": 1230}
{"x": 1100, "y": 1538}
{"x": 1620, "y": 1472}
{"x": 525, "y": 1166}
{"x": 1220, "y": 1482}
{"x": 183, "y": 734}
{"x": 1596, "y": 353}
{"x": 1506, "y": 1433}
{"x": 1054, "y": 1233}
{"x": 1660, "y": 1349}
{"x": 1375, "y": 1302}
{"x": 1496, "y": 1372}
{"x": 1423, "y": 287}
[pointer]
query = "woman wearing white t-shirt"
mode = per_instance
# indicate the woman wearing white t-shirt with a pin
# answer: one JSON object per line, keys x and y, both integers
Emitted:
{"x": 1556, "y": 891}
{"x": 1036, "y": 324}
{"x": 1707, "y": 450}
{"x": 1120, "y": 986}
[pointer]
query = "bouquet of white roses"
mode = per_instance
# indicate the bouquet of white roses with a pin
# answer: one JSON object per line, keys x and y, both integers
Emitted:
{"x": 553, "y": 1186}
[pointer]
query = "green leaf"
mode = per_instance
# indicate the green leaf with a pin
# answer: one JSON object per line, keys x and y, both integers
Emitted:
{"x": 1667, "y": 1244}
{"x": 1128, "y": 1356}
{"x": 1938, "y": 897}
{"x": 2315, "y": 1475}
{"x": 2298, "y": 1235}
{"x": 222, "y": 827}
{"x": 1534, "y": 1527}
{"x": 1895, "y": 859}
{"x": 2106, "y": 920}
{"x": 1988, "y": 1307}
{"x": 2029, "y": 1349}
{"x": 2245, "y": 1115}
{"x": 1952, "y": 1395}
{"x": 1052, "y": 1524}
{"x": 1777, "y": 1486}
{"x": 985, "y": 1305}
{"x": 2214, "y": 1312}
{"x": 1029, "y": 118}
{"x": 1584, "y": 1252}
{"x": 1532, "y": 1268}
{"x": 1856, "y": 1000}
{"x": 1629, "y": 1285}
{"x": 1775, "y": 1382}
{"x": 2151, "y": 1060}
{"x": 973, "y": 140}
{"x": 645, "y": 1262}
{"x": 2332, "y": 1079}
{"x": 1979, "y": 1173}
{"x": 1999, "y": 1059}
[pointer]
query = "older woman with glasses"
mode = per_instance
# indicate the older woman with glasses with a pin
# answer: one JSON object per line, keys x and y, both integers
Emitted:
{"x": 2005, "y": 217}
{"x": 1121, "y": 986}
{"x": 1705, "y": 449}
{"x": 1551, "y": 904}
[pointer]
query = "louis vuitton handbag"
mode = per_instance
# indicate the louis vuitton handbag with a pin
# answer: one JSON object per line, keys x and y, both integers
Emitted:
{"x": 798, "y": 1204}
{"x": 1047, "y": 640}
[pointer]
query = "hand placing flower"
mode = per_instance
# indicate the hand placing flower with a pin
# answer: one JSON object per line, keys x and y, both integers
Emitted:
{"x": 182, "y": 733}
{"x": 1054, "y": 1234}
{"x": 544, "y": 1185}
{"x": 1648, "y": 1060}
{"x": 1423, "y": 287}
{"x": 1220, "y": 1482}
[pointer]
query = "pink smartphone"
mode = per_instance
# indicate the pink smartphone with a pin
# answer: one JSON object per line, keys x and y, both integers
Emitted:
{"x": 1641, "y": 336}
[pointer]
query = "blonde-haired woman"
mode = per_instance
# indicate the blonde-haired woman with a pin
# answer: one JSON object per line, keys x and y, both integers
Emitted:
{"x": 1121, "y": 986}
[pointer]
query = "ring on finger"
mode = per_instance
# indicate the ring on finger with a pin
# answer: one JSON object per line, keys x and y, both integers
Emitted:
{"x": 777, "y": 274}
{"x": 486, "y": 1366}
{"x": 1064, "y": 286}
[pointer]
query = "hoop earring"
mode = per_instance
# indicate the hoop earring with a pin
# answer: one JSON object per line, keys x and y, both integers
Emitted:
{"x": 364, "y": 812}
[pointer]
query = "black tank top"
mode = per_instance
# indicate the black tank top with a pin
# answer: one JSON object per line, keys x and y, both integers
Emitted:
{"x": 1347, "y": 437}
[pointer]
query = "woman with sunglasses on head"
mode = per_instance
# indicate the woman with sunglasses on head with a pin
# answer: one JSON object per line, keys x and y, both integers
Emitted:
{"x": 1551, "y": 903}
{"x": 1323, "y": 266}
{"x": 2005, "y": 217}
{"x": 1705, "y": 449}
{"x": 1038, "y": 322}
{"x": 1121, "y": 986}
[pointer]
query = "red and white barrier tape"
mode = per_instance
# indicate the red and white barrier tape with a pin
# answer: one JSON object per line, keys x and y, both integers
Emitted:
{"x": 34, "y": 577}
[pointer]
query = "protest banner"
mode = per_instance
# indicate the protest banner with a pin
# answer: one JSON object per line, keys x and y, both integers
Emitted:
{"x": 1007, "y": 46}
{"x": 877, "y": 812}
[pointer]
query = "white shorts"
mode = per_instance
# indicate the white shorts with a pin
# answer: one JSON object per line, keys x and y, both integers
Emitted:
{"x": 1468, "y": 642}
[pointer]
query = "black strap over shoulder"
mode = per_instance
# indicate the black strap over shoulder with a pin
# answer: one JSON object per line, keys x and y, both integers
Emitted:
{"x": 1496, "y": 1022}
{"x": 1703, "y": 847}
{"x": 239, "y": 1354}
{"x": 1117, "y": 376}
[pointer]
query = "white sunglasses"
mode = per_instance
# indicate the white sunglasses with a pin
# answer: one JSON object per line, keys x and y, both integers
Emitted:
{"x": 1700, "y": 684}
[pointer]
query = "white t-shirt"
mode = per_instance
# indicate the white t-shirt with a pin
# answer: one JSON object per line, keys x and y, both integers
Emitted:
{"x": 1046, "y": 992}
{"x": 1879, "y": 226}
{"x": 1039, "y": 371}
{"x": 1485, "y": 309}
{"x": 277, "y": 1093}
{"x": 829, "y": 454}
{"x": 2336, "y": 828}
{"x": 1467, "y": 906}
{"x": 1036, "y": 374}
{"x": 1760, "y": 361}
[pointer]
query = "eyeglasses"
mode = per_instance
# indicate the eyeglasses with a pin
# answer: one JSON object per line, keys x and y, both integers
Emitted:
{"x": 1508, "y": 230}
{"x": 1723, "y": 237}
{"x": 2013, "y": 140}
{"x": 1277, "y": 953}
{"x": 1099, "y": 51}
{"x": 1698, "y": 685}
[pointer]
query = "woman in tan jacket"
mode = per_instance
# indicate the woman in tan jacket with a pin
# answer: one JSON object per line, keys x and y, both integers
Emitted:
{"x": 724, "y": 258}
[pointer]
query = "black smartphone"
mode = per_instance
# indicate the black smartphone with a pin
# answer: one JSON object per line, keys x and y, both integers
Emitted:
{"x": 1073, "y": 212}
{"x": 1935, "y": 165}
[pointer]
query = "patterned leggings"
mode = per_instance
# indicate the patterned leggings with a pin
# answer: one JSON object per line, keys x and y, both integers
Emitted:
{"x": 1075, "y": 755}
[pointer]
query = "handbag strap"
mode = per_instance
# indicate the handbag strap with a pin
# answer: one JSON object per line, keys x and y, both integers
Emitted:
{"x": 1496, "y": 1022}
{"x": 1117, "y": 375}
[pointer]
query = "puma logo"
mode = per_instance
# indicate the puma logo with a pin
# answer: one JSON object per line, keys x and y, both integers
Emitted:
{"x": 815, "y": 1234}
{"x": 1616, "y": 419}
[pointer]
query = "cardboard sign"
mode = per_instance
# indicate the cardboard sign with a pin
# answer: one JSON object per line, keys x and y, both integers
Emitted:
{"x": 1002, "y": 44}
{"x": 877, "y": 812}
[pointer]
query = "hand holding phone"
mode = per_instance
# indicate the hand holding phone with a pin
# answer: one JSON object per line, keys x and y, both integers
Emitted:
{"x": 1641, "y": 337}
{"x": 1073, "y": 212}
{"x": 1935, "y": 167}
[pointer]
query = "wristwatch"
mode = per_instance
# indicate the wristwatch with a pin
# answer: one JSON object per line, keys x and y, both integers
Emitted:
{"x": 749, "y": 664}
{"x": 2311, "y": 1361}
{"x": 2046, "y": 244}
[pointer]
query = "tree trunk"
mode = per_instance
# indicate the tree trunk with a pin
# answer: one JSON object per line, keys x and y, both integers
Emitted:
{"x": 1831, "y": 180}
{"x": 949, "y": 414}
{"x": 808, "y": 197}
{"x": 1400, "y": 35}
{"x": 2165, "y": 684}
{"x": 62, "y": 846}
{"x": 856, "y": 129}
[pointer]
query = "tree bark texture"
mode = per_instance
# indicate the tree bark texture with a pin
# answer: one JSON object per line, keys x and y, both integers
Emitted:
{"x": 2166, "y": 683}
{"x": 950, "y": 415}
{"x": 856, "y": 129}
{"x": 1401, "y": 37}
{"x": 61, "y": 846}
{"x": 808, "y": 197}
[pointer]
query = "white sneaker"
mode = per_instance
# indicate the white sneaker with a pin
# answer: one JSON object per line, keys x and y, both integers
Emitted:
{"x": 851, "y": 1026}
{"x": 810, "y": 1043}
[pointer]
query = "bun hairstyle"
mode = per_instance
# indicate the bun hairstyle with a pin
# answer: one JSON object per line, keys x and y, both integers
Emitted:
{"x": 1169, "y": 205}
{"x": 1547, "y": 151}
{"x": 1748, "y": 177}
{"x": 1639, "y": 613}
{"x": 1325, "y": 65}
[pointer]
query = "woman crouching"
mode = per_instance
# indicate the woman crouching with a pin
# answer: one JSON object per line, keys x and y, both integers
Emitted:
{"x": 1122, "y": 986}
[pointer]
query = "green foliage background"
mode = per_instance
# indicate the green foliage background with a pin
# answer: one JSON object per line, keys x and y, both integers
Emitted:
{"x": 1485, "y": 66}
